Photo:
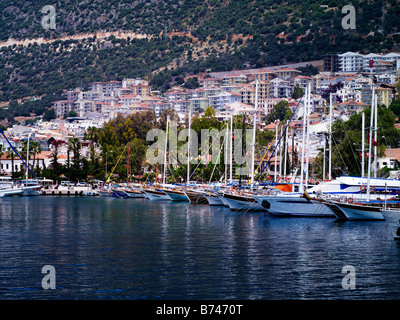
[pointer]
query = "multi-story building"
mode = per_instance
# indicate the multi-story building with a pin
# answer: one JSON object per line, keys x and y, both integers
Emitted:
{"x": 248, "y": 94}
{"x": 63, "y": 107}
{"x": 384, "y": 96}
{"x": 281, "y": 88}
{"x": 331, "y": 62}
{"x": 234, "y": 79}
{"x": 199, "y": 104}
{"x": 159, "y": 107}
{"x": 286, "y": 73}
{"x": 265, "y": 75}
{"x": 211, "y": 82}
{"x": 220, "y": 100}
{"x": 105, "y": 89}
{"x": 351, "y": 107}
{"x": 351, "y": 62}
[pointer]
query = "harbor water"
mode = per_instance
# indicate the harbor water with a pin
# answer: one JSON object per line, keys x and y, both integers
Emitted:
{"x": 137, "y": 249}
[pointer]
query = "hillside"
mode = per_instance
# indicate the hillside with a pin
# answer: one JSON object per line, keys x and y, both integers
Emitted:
{"x": 98, "y": 40}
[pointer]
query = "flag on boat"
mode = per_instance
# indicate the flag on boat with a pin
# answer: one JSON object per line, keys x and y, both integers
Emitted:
{"x": 366, "y": 155}
{"x": 373, "y": 141}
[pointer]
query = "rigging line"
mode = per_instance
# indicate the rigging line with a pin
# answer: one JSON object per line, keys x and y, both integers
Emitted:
{"x": 283, "y": 133}
{"x": 17, "y": 153}
{"x": 108, "y": 180}
{"x": 340, "y": 154}
{"x": 346, "y": 136}
{"x": 200, "y": 162}
{"x": 219, "y": 154}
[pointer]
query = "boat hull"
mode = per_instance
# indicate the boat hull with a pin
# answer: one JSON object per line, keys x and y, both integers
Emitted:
{"x": 242, "y": 203}
{"x": 134, "y": 194}
{"x": 392, "y": 218}
{"x": 214, "y": 201}
{"x": 356, "y": 212}
{"x": 105, "y": 193}
{"x": 177, "y": 195}
{"x": 157, "y": 195}
{"x": 196, "y": 198}
{"x": 295, "y": 207}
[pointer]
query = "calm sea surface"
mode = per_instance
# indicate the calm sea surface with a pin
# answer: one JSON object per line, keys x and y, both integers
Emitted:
{"x": 106, "y": 248}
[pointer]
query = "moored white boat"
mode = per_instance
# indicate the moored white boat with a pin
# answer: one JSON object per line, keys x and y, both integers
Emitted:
{"x": 10, "y": 192}
{"x": 176, "y": 195}
{"x": 155, "y": 194}
{"x": 243, "y": 202}
{"x": 213, "y": 199}
{"x": 294, "y": 206}
{"x": 358, "y": 211}
{"x": 392, "y": 217}
{"x": 196, "y": 197}
{"x": 105, "y": 193}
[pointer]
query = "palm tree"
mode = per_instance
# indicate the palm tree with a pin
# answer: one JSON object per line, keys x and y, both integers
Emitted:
{"x": 56, "y": 144}
{"x": 36, "y": 148}
{"x": 76, "y": 146}
{"x": 91, "y": 134}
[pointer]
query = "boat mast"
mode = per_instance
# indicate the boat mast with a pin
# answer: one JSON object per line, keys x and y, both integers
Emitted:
{"x": 286, "y": 148}
{"x": 308, "y": 132}
{"x": 27, "y": 161}
{"x": 226, "y": 152}
{"x": 157, "y": 167}
{"x": 362, "y": 144}
{"x": 231, "y": 149}
{"x": 165, "y": 152}
{"x": 375, "y": 133}
{"x": 370, "y": 145}
{"x": 254, "y": 137}
{"x": 127, "y": 166}
{"x": 303, "y": 145}
{"x": 188, "y": 153}
{"x": 243, "y": 141}
{"x": 276, "y": 147}
{"x": 330, "y": 138}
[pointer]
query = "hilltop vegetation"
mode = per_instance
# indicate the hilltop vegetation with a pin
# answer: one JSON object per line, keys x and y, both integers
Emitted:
{"x": 202, "y": 35}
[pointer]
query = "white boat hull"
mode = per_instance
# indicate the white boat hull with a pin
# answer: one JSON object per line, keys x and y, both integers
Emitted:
{"x": 157, "y": 195}
{"x": 392, "y": 217}
{"x": 355, "y": 212}
{"x": 10, "y": 192}
{"x": 214, "y": 201}
{"x": 174, "y": 196}
{"x": 238, "y": 203}
{"x": 105, "y": 193}
{"x": 294, "y": 207}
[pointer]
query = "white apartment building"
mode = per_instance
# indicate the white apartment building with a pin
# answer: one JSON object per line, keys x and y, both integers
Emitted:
{"x": 351, "y": 62}
{"x": 372, "y": 63}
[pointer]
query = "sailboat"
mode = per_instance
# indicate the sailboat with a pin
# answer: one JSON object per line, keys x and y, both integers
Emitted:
{"x": 392, "y": 217}
{"x": 155, "y": 193}
{"x": 239, "y": 200}
{"x": 365, "y": 210}
{"x": 175, "y": 194}
{"x": 29, "y": 187}
{"x": 297, "y": 203}
{"x": 196, "y": 197}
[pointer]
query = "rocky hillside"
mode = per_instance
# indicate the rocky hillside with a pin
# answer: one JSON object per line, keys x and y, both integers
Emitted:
{"x": 166, "y": 40}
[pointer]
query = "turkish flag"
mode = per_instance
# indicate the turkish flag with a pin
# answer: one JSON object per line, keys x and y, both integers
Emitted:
{"x": 373, "y": 141}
